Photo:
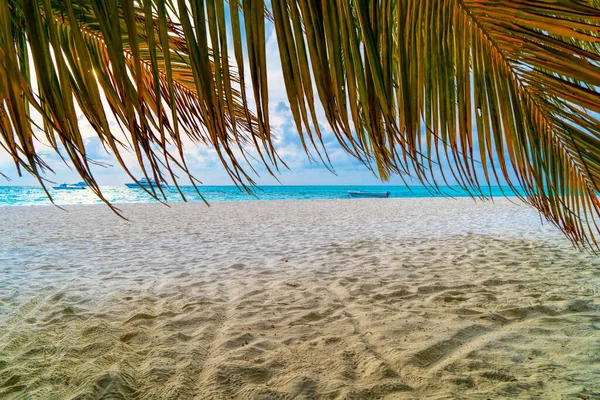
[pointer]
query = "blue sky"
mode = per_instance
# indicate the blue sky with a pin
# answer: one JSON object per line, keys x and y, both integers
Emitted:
{"x": 204, "y": 162}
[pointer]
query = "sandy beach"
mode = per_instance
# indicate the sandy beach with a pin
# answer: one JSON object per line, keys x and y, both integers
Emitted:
{"x": 333, "y": 299}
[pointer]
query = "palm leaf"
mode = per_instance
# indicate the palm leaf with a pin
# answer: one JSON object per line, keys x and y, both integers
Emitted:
{"x": 148, "y": 85}
{"x": 510, "y": 84}
{"x": 483, "y": 91}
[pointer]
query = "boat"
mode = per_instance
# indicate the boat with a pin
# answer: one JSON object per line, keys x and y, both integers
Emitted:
{"x": 143, "y": 183}
{"x": 358, "y": 193}
{"x": 71, "y": 186}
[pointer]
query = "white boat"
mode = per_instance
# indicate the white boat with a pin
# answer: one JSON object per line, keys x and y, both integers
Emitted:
{"x": 358, "y": 193}
{"x": 143, "y": 183}
{"x": 71, "y": 186}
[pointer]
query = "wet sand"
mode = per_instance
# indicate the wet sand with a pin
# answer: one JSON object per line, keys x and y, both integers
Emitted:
{"x": 341, "y": 299}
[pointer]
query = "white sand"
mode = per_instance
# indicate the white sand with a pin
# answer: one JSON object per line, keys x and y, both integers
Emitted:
{"x": 349, "y": 299}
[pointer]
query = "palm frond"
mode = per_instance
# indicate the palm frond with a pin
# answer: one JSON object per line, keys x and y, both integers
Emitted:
{"x": 483, "y": 91}
{"x": 509, "y": 85}
{"x": 148, "y": 85}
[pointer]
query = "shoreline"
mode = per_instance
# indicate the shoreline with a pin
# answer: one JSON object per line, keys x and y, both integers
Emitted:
{"x": 180, "y": 203}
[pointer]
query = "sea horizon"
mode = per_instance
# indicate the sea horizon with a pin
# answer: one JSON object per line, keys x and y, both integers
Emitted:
{"x": 35, "y": 195}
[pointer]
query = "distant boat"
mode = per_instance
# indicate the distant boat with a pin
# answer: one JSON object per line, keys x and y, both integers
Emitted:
{"x": 143, "y": 183}
{"x": 71, "y": 186}
{"x": 358, "y": 193}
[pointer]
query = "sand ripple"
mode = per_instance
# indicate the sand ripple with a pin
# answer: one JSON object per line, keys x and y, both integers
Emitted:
{"x": 280, "y": 300}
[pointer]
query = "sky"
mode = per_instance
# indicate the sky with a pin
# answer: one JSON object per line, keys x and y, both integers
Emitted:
{"x": 203, "y": 161}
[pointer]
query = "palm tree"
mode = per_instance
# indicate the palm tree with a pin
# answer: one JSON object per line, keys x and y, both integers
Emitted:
{"x": 407, "y": 86}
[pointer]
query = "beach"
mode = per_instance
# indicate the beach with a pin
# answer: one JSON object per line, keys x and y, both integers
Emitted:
{"x": 334, "y": 299}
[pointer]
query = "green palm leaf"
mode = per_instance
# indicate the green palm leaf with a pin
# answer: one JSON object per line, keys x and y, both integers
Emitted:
{"x": 483, "y": 91}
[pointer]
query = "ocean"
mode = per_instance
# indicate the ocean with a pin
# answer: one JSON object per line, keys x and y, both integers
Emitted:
{"x": 32, "y": 195}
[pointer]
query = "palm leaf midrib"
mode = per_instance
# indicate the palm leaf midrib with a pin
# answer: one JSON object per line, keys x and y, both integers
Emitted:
{"x": 531, "y": 99}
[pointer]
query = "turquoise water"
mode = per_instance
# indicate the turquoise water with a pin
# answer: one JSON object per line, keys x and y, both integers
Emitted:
{"x": 31, "y": 195}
